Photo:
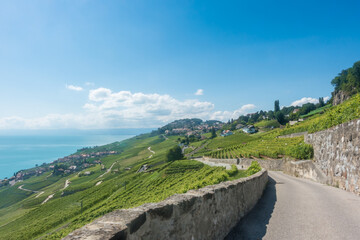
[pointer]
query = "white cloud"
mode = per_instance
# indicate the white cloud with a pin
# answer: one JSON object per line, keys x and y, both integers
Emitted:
{"x": 303, "y": 101}
{"x": 129, "y": 106}
{"x": 89, "y": 84}
{"x": 74, "y": 88}
{"x": 226, "y": 115}
{"x": 123, "y": 109}
{"x": 199, "y": 92}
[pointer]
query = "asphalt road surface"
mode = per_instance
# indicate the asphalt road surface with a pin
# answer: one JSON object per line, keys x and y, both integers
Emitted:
{"x": 294, "y": 208}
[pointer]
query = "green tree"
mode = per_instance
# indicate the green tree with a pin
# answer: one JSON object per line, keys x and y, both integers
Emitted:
{"x": 174, "y": 153}
{"x": 270, "y": 115}
{"x": 321, "y": 102}
{"x": 348, "y": 80}
{"x": 213, "y": 133}
{"x": 277, "y": 106}
{"x": 280, "y": 118}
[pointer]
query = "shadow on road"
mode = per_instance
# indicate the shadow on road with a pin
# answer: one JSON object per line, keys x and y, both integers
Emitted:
{"x": 253, "y": 225}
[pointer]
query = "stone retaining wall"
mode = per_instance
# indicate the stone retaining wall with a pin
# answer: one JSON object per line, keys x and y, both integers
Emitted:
{"x": 207, "y": 213}
{"x": 269, "y": 164}
{"x": 305, "y": 169}
{"x": 336, "y": 152}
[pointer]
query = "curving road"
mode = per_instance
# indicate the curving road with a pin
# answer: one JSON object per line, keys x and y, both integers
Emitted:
{"x": 295, "y": 208}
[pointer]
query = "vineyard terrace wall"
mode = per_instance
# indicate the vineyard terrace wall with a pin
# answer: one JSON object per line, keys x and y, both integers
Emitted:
{"x": 336, "y": 153}
{"x": 207, "y": 213}
{"x": 269, "y": 164}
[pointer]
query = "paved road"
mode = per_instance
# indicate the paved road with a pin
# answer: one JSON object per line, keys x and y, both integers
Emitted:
{"x": 294, "y": 208}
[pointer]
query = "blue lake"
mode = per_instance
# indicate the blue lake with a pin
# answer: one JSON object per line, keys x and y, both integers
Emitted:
{"x": 23, "y": 149}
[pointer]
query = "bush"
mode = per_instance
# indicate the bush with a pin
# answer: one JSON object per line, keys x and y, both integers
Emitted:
{"x": 233, "y": 171}
{"x": 254, "y": 168}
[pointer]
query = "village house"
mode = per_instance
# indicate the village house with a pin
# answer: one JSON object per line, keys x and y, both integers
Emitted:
{"x": 249, "y": 129}
{"x": 73, "y": 167}
{"x": 226, "y": 133}
{"x": 296, "y": 110}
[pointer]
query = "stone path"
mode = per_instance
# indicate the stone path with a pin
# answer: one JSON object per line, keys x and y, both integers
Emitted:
{"x": 67, "y": 183}
{"x": 48, "y": 198}
{"x": 39, "y": 194}
{"x": 108, "y": 170}
{"x": 27, "y": 190}
{"x": 149, "y": 148}
{"x": 295, "y": 208}
{"x": 197, "y": 149}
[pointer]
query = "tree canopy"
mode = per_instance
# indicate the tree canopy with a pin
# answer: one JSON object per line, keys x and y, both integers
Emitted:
{"x": 277, "y": 106}
{"x": 174, "y": 153}
{"x": 348, "y": 80}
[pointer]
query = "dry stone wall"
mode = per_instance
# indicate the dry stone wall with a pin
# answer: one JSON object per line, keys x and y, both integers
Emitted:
{"x": 336, "y": 153}
{"x": 269, "y": 164}
{"x": 305, "y": 169}
{"x": 207, "y": 213}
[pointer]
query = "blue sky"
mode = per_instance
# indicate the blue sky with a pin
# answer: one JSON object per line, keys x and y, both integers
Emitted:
{"x": 113, "y": 64}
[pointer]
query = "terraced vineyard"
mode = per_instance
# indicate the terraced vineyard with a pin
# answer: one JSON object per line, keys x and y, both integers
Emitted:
{"x": 266, "y": 147}
{"x": 347, "y": 111}
{"x": 22, "y": 216}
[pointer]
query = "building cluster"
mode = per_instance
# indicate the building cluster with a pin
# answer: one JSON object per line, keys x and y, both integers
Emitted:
{"x": 249, "y": 129}
{"x": 4, "y": 182}
{"x": 226, "y": 133}
{"x": 77, "y": 162}
{"x": 197, "y": 130}
{"x": 21, "y": 175}
{"x": 85, "y": 156}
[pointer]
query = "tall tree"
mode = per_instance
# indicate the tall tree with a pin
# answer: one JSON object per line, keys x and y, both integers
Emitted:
{"x": 280, "y": 118}
{"x": 321, "y": 102}
{"x": 213, "y": 132}
{"x": 276, "y": 106}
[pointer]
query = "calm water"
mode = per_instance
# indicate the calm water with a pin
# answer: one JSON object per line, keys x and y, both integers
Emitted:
{"x": 23, "y": 149}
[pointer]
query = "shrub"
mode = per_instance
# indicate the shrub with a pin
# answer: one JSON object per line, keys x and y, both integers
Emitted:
{"x": 254, "y": 168}
{"x": 233, "y": 171}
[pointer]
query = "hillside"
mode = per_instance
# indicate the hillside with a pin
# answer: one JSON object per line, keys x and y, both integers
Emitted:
{"x": 52, "y": 205}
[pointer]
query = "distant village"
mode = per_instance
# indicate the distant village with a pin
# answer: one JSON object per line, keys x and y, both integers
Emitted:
{"x": 199, "y": 130}
{"x": 66, "y": 165}
{"x": 195, "y": 131}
